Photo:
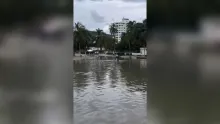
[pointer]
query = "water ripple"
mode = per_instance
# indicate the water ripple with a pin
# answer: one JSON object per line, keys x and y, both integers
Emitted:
{"x": 106, "y": 92}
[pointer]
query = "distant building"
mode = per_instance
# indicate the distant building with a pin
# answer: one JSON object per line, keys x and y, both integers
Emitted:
{"x": 143, "y": 51}
{"x": 121, "y": 28}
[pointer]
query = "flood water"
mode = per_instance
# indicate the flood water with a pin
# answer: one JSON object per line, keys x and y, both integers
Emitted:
{"x": 110, "y": 92}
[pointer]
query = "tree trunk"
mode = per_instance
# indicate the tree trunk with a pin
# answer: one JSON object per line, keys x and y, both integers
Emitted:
{"x": 114, "y": 45}
{"x": 129, "y": 49}
{"x": 79, "y": 50}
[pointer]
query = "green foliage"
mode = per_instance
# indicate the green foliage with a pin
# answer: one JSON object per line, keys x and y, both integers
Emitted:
{"x": 84, "y": 38}
{"x": 134, "y": 38}
{"x": 131, "y": 41}
{"x": 113, "y": 30}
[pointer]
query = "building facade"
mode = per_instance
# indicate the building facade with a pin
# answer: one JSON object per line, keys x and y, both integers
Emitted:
{"x": 121, "y": 28}
{"x": 143, "y": 51}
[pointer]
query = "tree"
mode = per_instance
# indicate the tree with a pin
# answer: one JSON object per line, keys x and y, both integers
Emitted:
{"x": 131, "y": 41}
{"x": 130, "y": 33}
{"x": 135, "y": 37}
{"x": 108, "y": 40}
{"x": 99, "y": 38}
{"x": 113, "y": 30}
{"x": 81, "y": 37}
{"x": 145, "y": 34}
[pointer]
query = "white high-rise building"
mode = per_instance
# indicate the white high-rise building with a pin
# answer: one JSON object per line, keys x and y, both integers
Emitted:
{"x": 121, "y": 28}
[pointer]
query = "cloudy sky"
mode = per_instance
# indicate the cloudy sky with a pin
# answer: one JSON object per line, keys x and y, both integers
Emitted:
{"x": 100, "y": 13}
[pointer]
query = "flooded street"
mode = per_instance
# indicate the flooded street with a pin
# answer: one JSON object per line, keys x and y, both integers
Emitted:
{"x": 110, "y": 92}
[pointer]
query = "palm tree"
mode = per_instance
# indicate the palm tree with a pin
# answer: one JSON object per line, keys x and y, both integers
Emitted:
{"x": 99, "y": 38}
{"x": 144, "y": 34}
{"x": 113, "y": 30}
{"x": 81, "y": 36}
{"x": 145, "y": 30}
{"x": 130, "y": 33}
{"x": 135, "y": 36}
{"x": 107, "y": 42}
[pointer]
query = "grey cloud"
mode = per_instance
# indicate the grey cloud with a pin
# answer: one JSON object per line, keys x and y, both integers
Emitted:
{"x": 100, "y": 14}
{"x": 96, "y": 17}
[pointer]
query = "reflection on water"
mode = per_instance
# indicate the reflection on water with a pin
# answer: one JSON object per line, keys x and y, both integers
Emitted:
{"x": 110, "y": 92}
